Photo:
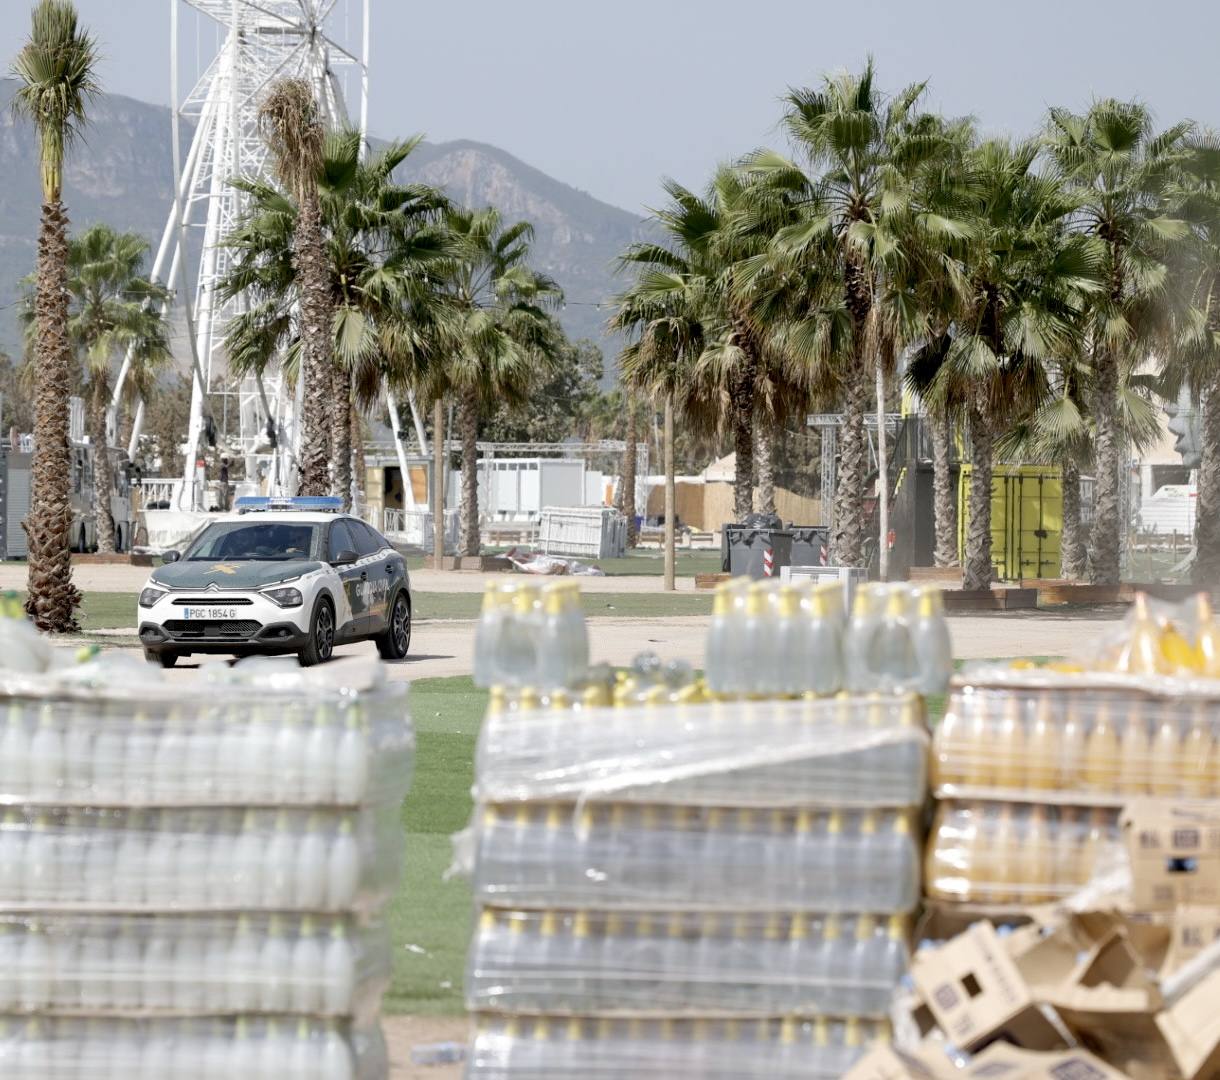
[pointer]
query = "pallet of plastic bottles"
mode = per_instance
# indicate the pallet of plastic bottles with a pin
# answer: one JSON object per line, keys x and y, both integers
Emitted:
{"x": 746, "y": 964}
{"x": 284, "y": 1047}
{"x": 1017, "y": 854}
{"x": 284, "y": 739}
{"x": 768, "y": 638}
{"x": 205, "y": 860}
{"x": 724, "y": 1049}
{"x": 531, "y": 633}
{"x": 633, "y": 856}
{"x": 865, "y": 751}
{"x": 122, "y": 965}
{"x": 1085, "y": 738}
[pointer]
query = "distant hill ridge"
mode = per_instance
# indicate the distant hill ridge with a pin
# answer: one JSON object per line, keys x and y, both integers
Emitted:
{"x": 122, "y": 174}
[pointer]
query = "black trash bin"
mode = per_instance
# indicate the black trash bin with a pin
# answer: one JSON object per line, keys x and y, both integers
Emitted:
{"x": 808, "y": 542}
{"x": 743, "y": 550}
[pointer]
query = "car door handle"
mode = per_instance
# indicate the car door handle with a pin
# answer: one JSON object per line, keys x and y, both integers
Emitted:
{"x": 364, "y": 575}
{"x": 389, "y": 569}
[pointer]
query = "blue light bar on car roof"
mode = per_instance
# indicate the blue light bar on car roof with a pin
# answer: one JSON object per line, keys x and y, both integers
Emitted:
{"x": 314, "y": 503}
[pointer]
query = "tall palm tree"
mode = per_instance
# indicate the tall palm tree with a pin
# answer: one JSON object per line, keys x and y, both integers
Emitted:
{"x": 1120, "y": 171}
{"x": 292, "y": 128}
{"x": 113, "y": 309}
{"x": 55, "y": 69}
{"x": 1195, "y": 359}
{"x": 1021, "y": 280}
{"x": 857, "y": 147}
{"x": 505, "y": 334}
{"x": 387, "y": 254}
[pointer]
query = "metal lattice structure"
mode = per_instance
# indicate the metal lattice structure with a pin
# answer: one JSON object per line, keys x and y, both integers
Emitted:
{"x": 259, "y": 42}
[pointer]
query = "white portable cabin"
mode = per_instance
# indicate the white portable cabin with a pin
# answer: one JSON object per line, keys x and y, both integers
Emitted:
{"x": 519, "y": 488}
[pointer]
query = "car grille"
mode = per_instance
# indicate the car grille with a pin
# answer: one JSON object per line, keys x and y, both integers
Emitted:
{"x": 233, "y": 630}
{"x": 199, "y": 601}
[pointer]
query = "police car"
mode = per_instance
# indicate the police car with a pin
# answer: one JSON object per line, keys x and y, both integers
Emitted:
{"x": 278, "y": 576}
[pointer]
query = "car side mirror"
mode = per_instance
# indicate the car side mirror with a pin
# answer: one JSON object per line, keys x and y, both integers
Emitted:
{"x": 345, "y": 558}
{"x": 170, "y": 556}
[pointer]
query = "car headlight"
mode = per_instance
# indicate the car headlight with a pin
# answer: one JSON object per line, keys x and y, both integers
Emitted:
{"x": 284, "y": 597}
{"x": 150, "y": 596}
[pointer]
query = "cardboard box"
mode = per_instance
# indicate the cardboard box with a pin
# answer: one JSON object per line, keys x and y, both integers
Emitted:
{"x": 1191, "y": 1027}
{"x": 1010, "y": 1063}
{"x": 1189, "y": 931}
{"x": 1174, "y": 848}
{"x": 885, "y": 1063}
{"x": 975, "y": 992}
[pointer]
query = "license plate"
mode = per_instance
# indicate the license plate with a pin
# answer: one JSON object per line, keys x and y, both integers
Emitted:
{"x": 209, "y": 613}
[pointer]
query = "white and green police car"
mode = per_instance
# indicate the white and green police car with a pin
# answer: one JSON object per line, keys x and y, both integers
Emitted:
{"x": 278, "y": 576}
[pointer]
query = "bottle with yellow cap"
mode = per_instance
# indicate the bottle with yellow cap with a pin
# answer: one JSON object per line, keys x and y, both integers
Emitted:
{"x": 1042, "y": 749}
{"x": 789, "y": 662}
{"x": 1009, "y": 747}
{"x": 792, "y": 990}
{"x": 823, "y": 661}
{"x": 1207, "y": 636}
{"x": 1101, "y": 768}
{"x": 1140, "y": 652}
{"x": 761, "y": 642}
{"x": 1167, "y": 767}
{"x": 679, "y": 989}
{"x": 862, "y": 957}
{"x": 1003, "y": 856}
{"x": 892, "y": 654}
{"x": 1072, "y": 735}
{"x": 519, "y": 648}
{"x": 930, "y": 641}
{"x": 488, "y": 955}
{"x": 724, "y": 638}
{"x": 1135, "y": 752}
{"x": 488, "y": 635}
{"x": 858, "y": 640}
{"x": 829, "y": 960}
{"x": 1036, "y": 878}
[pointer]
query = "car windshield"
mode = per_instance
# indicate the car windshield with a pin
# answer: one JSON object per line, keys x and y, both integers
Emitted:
{"x": 263, "y": 541}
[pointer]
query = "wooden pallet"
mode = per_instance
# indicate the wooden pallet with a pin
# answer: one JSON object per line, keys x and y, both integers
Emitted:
{"x": 1002, "y": 599}
{"x": 710, "y": 581}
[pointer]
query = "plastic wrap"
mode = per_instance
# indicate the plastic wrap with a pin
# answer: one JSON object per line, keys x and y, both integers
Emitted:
{"x": 1051, "y": 738}
{"x": 630, "y": 856}
{"x": 863, "y": 751}
{"x": 587, "y": 963}
{"x": 198, "y": 860}
{"x": 145, "y": 745}
{"x": 1016, "y": 853}
{"x": 728, "y": 1049}
{"x": 768, "y": 638}
{"x": 286, "y": 1048}
{"x": 130, "y": 965}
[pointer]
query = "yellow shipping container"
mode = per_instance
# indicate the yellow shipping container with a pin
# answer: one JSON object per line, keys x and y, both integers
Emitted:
{"x": 1026, "y": 520}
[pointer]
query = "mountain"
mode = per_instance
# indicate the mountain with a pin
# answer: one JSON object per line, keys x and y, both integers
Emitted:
{"x": 122, "y": 173}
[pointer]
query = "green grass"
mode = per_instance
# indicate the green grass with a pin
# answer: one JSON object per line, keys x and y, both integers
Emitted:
{"x": 430, "y": 919}
{"x": 645, "y": 562}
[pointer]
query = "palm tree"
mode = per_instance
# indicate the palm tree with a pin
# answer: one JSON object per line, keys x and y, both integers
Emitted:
{"x": 1021, "y": 280}
{"x": 114, "y": 309}
{"x": 292, "y": 128}
{"x": 1120, "y": 171}
{"x": 858, "y": 149}
{"x": 505, "y": 337}
{"x": 56, "y": 73}
{"x": 386, "y": 256}
{"x": 1195, "y": 359}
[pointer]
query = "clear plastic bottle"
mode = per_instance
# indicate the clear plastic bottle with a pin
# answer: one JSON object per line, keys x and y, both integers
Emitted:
{"x": 1134, "y": 753}
{"x": 12, "y": 858}
{"x": 276, "y": 988}
{"x": 35, "y": 968}
{"x": 46, "y": 768}
{"x": 930, "y": 640}
{"x": 1168, "y": 768}
{"x": 789, "y": 662}
{"x": 126, "y": 970}
{"x": 1102, "y": 759}
{"x": 11, "y": 940}
{"x": 891, "y": 655}
{"x": 278, "y": 866}
{"x": 244, "y": 960}
{"x": 321, "y": 751}
{"x": 352, "y": 764}
{"x": 718, "y": 655}
{"x": 78, "y": 752}
{"x": 343, "y": 869}
{"x": 488, "y": 635}
{"x": 309, "y": 873}
{"x": 858, "y": 641}
{"x": 308, "y": 969}
{"x": 289, "y": 751}
{"x": 15, "y": 753}
{"x": 246, "y": 862}
{"x": 761, "y": 641}
{"x": 41, "y": 863}
{"x": 335, "y": 1061}
{"x": 169, "y": 765}
{"x": 823, "y": 665}
{"x": 1199, "y": 756}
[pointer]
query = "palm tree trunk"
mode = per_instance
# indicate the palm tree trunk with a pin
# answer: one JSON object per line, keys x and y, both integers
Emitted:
{"x": 1104, "y": 539}
{"x": 764, "y": 463}
{"x": 341, "y": 432}
{"x": 850, "y": 527}
{"x": 944, "y": 505}
{"x": 741, "y": 406}
{"x": 468, "y": 424}
{"x": 52, "y": 596}
{"x": 1206, "y": 570}
{"x": 103, "y": 471}
{"x": 977, "y": 571}
{"x": 671, "y": 501}
{"x": 309, "y": 257}
{"x": 630, "y": 463}
{"x": 1073, "y": 558}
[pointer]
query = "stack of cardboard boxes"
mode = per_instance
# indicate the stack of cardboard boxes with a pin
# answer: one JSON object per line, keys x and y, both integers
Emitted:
{"x": 1077, "y": 814}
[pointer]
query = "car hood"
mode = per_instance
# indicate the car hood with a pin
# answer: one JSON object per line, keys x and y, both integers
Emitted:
{"x": 233, "y": 574}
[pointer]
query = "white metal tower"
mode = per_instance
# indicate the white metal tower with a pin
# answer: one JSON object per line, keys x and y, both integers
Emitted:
{"x": 258, "y": 42}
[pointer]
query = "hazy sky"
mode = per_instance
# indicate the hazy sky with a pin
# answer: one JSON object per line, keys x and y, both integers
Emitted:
{"x": 609, "y": 96}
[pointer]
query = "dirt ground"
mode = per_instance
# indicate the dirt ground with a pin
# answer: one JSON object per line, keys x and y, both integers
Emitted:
{"x": 404, "y": 1032}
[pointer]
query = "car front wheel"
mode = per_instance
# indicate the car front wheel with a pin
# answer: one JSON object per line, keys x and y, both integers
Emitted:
{"x": 394, "y": 643}
{"x": 321, "y": 636}
{"x": 165, "y": 658}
